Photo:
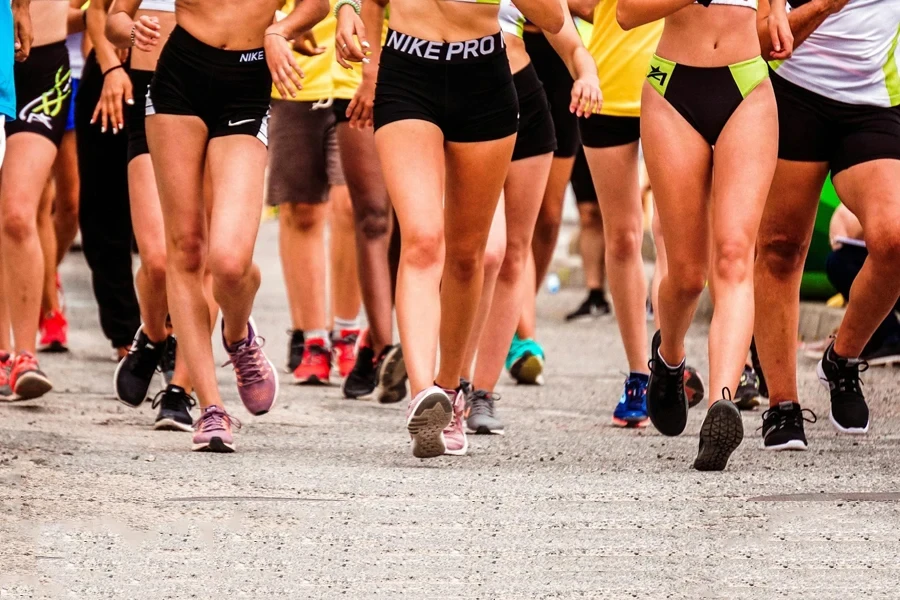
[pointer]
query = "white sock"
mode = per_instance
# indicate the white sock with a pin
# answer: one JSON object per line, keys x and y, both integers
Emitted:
{"x": 340, "y": 323}
{"x": 311, "y": 334}
{"x": 670, "y": 367}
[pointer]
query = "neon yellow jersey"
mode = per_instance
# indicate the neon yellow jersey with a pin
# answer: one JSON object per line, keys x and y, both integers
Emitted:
{"x": 622, "y": 59}
{"x": 317, "y": 84}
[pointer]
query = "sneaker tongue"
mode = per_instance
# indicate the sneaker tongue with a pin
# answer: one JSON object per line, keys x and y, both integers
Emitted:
{"x": 174, "y": 389}
{"x": 786, "y": 405}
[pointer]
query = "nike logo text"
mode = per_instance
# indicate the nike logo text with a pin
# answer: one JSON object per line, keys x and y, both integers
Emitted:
{"x": 253, "y": 56}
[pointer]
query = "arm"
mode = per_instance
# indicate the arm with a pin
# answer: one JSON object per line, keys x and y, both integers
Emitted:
{"x": 583, "y": 9}
{"x": 360, "y": 110}
{"x": 106, "y": 54}
{"x": 634, "y": 13}
{"x": 23, "y": 35}
{"x": 305, "y": 15}
{"x": 803, "y": 21}
{"x": 76, "y": 21}
{"x": 586, "y": 97}
{"x": 117, "y": 89}
{"x": 283, "y": 66}
{"x": 546, "y": 14}
{"x": 120, "y": 23}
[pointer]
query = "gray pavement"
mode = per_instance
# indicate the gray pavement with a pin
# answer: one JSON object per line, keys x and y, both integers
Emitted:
{"x": 324, "y": 500}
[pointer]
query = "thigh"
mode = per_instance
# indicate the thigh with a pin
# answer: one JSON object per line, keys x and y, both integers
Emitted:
{"x": 524, "y": 190}
{"x": 616, "y": 180}
{"x": 789, "y": 214}
{"x": 362, "y": 170}
{"x": 26, "y": 169}
{"x": 871, "y": 190}
{"x": 298, "y": 149}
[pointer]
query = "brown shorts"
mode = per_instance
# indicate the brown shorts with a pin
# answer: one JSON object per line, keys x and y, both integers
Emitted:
{"x": 303, "y": 153}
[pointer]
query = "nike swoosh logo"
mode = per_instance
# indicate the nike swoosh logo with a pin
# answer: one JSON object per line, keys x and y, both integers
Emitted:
{"x": 236, "y": 123}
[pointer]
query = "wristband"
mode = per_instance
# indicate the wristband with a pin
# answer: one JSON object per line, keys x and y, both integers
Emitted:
{"x": 111, "y": 69}
{"x": 353, "y": 3}
{"x": 133, "y": 27}
{"x": 279, "y": 35}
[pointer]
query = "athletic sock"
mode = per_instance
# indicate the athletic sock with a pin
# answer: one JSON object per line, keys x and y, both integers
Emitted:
{"x": 596, "y": 295}
{"x": 340, "y": 324}
{"x": 670, "y": 367}
{"x": 311, "y": 334}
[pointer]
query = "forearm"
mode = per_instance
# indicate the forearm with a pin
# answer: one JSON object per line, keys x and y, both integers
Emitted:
{"x": 547, "y": 15}
{"x": 567, "y": 44}
{"x": 634, "y": 13}
{"x": 120, "y": 22}
{"x": 803, "y": 21}
{"x": 105, "y": 52}
{"x": 305, "y": 15}
{"x": 372, "y": 16}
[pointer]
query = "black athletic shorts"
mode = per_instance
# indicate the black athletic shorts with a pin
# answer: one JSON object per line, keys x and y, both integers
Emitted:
{"x": 340, "y": 106}
{"x": 582, "y": 184}
{"x": 137, "y": 135}
{"x": 554, "y": 74}
{"x": 465, "y": 88}
{"x": 813, "y": 128}
{"x": 43, "y": 93}
{"x": 605, "y": 131}
{"x": 228, "y": 89}
{"x": 536, "y": 133}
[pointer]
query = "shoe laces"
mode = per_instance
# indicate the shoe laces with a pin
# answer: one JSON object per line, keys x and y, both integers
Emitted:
{"x": 775, "y": 419}
{"x": 25, "y": 361}
{"x": 314, "y": 354}
{"x": 848, "y": 372}
{"x": 214, "y": 418}
{"x": 249, "y": 362}
{"x": 164, "y": 395}
{"x": 635, "y": 391}
{"x": 481, "y": 402}
{"x": 147, "y": 360}
{"x": 672, "y": 379}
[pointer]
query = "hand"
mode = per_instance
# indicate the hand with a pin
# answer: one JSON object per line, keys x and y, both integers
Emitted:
{"x": 283, "y": 65}
{"x": 586, "y": 97}
{"x": 146, "y": 33}
{"x": 360, "y": 110}
{"x": 22, "y": 31}
{"x": 349, "y": 25}
{"x": 782, "y": 38}
{"x": 305, "y": 44}
{"x": 116, "y": 90}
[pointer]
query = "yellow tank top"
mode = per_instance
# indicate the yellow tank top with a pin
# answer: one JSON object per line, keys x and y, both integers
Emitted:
{"x": 317, "y": 84}
{"x": 622, "y": 58}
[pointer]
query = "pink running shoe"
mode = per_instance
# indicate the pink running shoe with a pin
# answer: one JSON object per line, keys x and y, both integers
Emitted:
{"x": 212, "y": 431}
{"x": 256, "y": 377}
{"x": 455, "y": 439}
{"x": 427, "y": 415}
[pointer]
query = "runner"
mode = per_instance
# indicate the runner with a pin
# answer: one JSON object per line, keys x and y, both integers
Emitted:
{"x": 839, "y": 110}
{"x": 523, "y": 191}
{"x": 207, "y": 108}
{"x": 707, "y": 209}
{"x": 444, "y": 110}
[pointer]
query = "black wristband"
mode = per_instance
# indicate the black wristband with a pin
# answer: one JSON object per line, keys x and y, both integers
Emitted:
{"x": 111, "y": 69}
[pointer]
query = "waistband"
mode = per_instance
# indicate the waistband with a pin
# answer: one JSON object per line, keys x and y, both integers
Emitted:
{"x": 446, "y": 52}
{"x": 182, "y": 41}
{"x": 746, "y": 73}
{"x": 48, "y": 50}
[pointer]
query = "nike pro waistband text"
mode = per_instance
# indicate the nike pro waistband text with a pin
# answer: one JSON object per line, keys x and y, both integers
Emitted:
{"x": 449, "y": 52}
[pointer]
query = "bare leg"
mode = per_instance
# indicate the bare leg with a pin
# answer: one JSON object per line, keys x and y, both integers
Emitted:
{"x": 47, "y": 235}
{"x": 5, "y": 342}
{"x": 345, "y": 298}
{"x": 661, "y": 268}
{"x": 302, "y": 240}
{"x": 65, "y": 209}
{"x": 591, "y": 245}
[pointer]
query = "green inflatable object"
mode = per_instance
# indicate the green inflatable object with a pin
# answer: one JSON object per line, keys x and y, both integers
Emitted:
{"x": 815, "y": 285}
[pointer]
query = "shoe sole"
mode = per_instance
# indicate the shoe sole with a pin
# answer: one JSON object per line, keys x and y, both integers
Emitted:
{"x": 312, "y": 380}
{"x": 484, "y": 430}
{"x": 820, "y": 373}
{"x": 426, "y": 425}
{"x": 794, "y": 445}
{"x": 171, "y": 425}
{"x": 214, "y": 445}
{"x": 391, "y": 386}
{"x": 722, "y": 432}
{"x": 30, "y": 386}
{"x": 630, "y": 424}
{"x": 116, "y": 380}
{"x": 53, "y": 348}
{"x": 529, "y": 371}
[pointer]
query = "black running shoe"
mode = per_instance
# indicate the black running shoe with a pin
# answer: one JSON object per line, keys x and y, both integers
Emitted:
{"x": 481, "y": 415}
{"x": 887, "y": 354}
{"x": 295, "y": 350}
{"x": 667, "y": 403}
{"x": 747, "y": 395}
{"x": 595, "y": 305}
{"x": 174, "y": 409}
{"x": 361, "y": 382}
{"x": 135, "y": 372}
{"x": 720, "y": 435}
{"x": 757, "y": 368}
{"x": 390, "y": 369}
{"x": 849, "y": 412}
{"x": 167, "y": 362}
{"x": 782, "y": 427}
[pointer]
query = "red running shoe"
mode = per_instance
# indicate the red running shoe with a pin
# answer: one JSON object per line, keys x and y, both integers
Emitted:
{"x": 316, "y": 364}
{"x": 6, "y": 363}
{"x": 344, "y": 347}
{"x": 54, "y": 331}
{"x": 26, "y": 378}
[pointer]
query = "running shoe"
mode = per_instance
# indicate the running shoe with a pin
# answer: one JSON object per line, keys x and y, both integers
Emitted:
{"x": 316, "y": 364}
{"x": 720, "y": 435}
{"x": 455, "y": 441}
{"x": 887, "y": 354}
{"x": 167, "y": 362}
{"x": 26, "y": 378}
{"x": 390, "y": 369}
{"x": 135, "y": 372}
{"x": 175, "y": 406}
{"x": 481, "y": 414}
{"x": 595, "y": 305}
{"x": 694, "y": 388}
{"x": 257, "y": 380}
{"x": 849, "y": 411}
{"x": 6, "y": 364}
{"x": 429, "y": 413}
{"x": 295, "y": 350}
{"x": 362, "y": 380}
{"x": 782, "y": 427}
{"x": 631, "y": 411}
{"x": 757, "y": 368}
{"x": 54, "y": 331}
{"x": 212, "y": 431}
{"x": 525, "y": 361}
{"x": 747, "y": 395}
{"x": 667, "y": 403}
{"x": 343, "y": 346}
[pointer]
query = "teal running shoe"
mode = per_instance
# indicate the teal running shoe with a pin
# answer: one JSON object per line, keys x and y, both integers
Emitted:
{"x": 525, "y": 361}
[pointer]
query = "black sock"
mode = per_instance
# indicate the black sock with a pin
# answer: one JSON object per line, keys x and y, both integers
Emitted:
{"x": 596, "y": 295}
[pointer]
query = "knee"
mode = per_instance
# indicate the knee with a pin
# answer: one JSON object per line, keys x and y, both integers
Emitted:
{"x": 66, "y": 207}
{"x": 782, "y": 255}
{"x": 494, "y": 258}
{"x": 188, "y": 253}
{"x": 686, "y": 279}
{"x": 883, "y": 245}
{"x": 623, "y": 244}
{"x": 514, "y": 262}
{"x": 464, "y": 264}
{"x": 423, "y": 249}
{"x": 734, "y": 261}
{"x": 373, "y": 223}
{"x": 547, "y": 228}
{"x": 303, "y": 218}
{"x": 591, "y": 217}
{"x": 154, "y": 267}
{"x": 18, "y": 226}
{"x": 227, "y": 269}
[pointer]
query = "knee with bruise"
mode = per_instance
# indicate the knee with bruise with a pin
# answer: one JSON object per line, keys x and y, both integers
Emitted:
{"x": 188, "y": 252}
{"x": 18, "y": 226}
{"x": 782, "y": 255}
{"x": 687, "y": 280}
{"x": 302, "y": 217}
{"x": 623, "y": 244}
{"x": 373, "y": 223}
{"x": 423, "y": 249}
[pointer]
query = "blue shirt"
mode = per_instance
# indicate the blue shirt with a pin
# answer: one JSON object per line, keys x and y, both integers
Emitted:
{"x": 7, "y": 61}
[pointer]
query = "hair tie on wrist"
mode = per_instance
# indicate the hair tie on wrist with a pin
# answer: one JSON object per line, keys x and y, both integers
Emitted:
{"x": 341, "y": 3}
{"x": 111, "y": 69}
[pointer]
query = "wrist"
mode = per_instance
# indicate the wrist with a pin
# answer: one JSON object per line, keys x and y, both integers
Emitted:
{"x": 278, "y": 30}
{"x": 341, "y": 7}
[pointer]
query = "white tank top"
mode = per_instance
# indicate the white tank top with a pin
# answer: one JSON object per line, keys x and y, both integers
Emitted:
{"x": 76, "y": 59}
{"x": 852, "y": 57}
{"x": 160, "y": 5}
{"x": 748, "y": 3}
{"x": 511, "y": 19}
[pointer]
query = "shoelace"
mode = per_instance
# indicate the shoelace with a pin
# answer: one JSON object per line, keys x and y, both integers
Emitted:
{"x": 482, "y": 403}
{"x": 215, "y": 419}
{"x": 248, "y": 362}
{"x": 848, "y": 375}
{"x": 314, "y": 352}
{"x": 185, "y": 397}
{"x": 147, "y": 364}
{"x": 673, "y": 386}
{"x": 778, "y": 419}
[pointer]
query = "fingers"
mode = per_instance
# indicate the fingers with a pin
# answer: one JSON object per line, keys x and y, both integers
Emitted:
{"x": 295, "y": 73}
{"x": 776, "y": 39}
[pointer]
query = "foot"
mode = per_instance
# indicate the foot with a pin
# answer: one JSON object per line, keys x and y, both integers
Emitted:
{"x": 525, "y": 361}
{"x": 694, "y": 388}
{"x": 667, "y": 402}
{"x": 390, "y": 370}
{"x": 26, "y": 378}
{"x": 595, "y": 305}
{"x": 849, "y": 412}
{"x": 428, "y": 414}
{"x": 295, "y": 350}
{"x": 212, "y": 431}
{"x": 135, "y": 372}
{"x": 782, "y": 427}
{"x": 361, "y": 382}
{"x": 174, "y": 409}
{"x": 631, "y": 411}
{"x": 720, "y": 435}
{"x": 481, "y": 415}
{"x": 257, "y": 380}
{"x": 6, "y": 363}
{"x": 455, "y": 440}
{"x": 54, "y": 331}
{"x": 343, "y": 346}
{"x": 315, "y": 367}
{"x": 167, "y": 362}
{"x": 747, "y": 396}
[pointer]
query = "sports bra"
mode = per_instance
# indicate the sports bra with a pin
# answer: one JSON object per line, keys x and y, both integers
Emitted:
{"x": 512, "y": 20}
{"x": 160, "y": 5}
{"x": 746, "y": 3}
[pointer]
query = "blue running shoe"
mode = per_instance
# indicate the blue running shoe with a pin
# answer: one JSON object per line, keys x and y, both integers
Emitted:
{"x": 631, "y": 411}
{"x": 525, "y": 361}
